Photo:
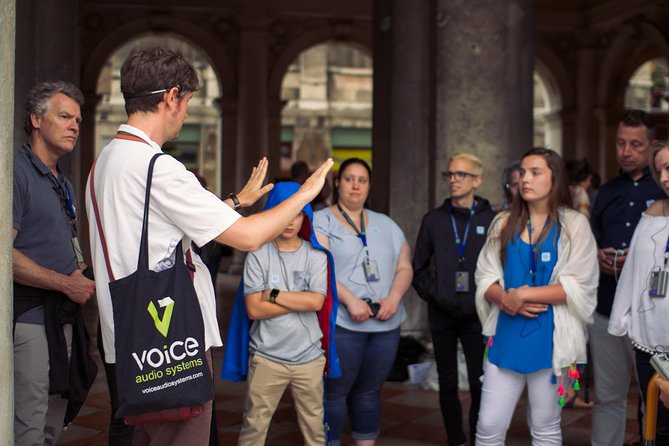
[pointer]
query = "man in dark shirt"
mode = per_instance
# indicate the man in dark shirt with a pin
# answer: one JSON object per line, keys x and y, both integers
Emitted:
{"x": 615, "y": 214}
{"x": 48, "y": 282}
{"x": 444, "y": 262}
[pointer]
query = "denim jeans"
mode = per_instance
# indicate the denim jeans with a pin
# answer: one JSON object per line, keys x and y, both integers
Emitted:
{"x": 366, "y": 359}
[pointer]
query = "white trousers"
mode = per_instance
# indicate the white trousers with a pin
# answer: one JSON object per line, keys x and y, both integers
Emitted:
{"x": 500, "y": 393}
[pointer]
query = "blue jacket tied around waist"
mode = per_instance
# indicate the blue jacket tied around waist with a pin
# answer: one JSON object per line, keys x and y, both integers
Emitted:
{"x": 236, "y": 360}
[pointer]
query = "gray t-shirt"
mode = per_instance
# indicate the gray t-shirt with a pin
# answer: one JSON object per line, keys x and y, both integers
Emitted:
{"x": 385, "y": 240}
{"x": 292, "y": 338}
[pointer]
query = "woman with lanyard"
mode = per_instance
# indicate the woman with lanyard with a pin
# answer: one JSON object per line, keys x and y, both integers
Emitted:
{"x": 640, "y": 307}
{"x": 373, "y": 269}
{"x": 539, "y": 268}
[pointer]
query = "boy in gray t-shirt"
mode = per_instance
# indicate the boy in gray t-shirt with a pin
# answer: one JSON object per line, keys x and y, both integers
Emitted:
{"x": 285, "y": 284}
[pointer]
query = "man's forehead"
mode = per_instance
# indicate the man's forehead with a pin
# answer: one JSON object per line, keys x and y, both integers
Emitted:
{"x": 638, "y": 132}
{"x": 62, "y": 102}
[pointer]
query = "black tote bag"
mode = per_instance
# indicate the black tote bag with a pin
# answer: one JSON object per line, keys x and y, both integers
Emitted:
{"x": 159, "y": 336}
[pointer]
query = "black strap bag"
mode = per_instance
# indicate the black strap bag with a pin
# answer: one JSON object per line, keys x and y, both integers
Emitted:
{"x": 162, "y": 370}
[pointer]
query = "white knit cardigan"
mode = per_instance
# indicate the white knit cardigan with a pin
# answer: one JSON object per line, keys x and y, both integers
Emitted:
{"x": 576, "y": 270}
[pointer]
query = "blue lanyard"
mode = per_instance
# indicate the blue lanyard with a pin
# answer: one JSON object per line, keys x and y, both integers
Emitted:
{"x": 666, "y": 254}
{"x": 534, "y": 248}
{"x": 361, "y": 233}
{"x": 460, "y": 244}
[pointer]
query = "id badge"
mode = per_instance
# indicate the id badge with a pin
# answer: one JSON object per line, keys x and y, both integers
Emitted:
{"x": 371, "y": 270}
{"x": 77, "y": 250}
{"x": 462, "y": 281}
{"x": 657, "y": 283}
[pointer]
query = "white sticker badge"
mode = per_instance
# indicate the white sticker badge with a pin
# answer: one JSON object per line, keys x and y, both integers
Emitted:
{"x": 480, "y": 230}
{"x": 545, "y": 256}
{"x": 275, "y": 278}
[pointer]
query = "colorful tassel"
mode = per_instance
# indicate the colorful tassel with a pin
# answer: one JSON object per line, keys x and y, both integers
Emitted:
{"x": 561, "y": 392}
{"x": 487, "y": 347}
{"x": 577, "y": 386}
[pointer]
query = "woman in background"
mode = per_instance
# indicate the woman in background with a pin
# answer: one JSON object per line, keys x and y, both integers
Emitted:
{"x": 536, "y": 282}
{"x": 373, "y": 269}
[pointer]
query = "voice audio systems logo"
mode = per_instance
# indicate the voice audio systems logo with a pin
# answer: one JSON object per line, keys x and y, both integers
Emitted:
{"x": 163, "y": 325}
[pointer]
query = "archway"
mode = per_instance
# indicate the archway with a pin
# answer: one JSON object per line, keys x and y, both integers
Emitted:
{"x": 327, "y": 92}
{"x": 547, "y": 109}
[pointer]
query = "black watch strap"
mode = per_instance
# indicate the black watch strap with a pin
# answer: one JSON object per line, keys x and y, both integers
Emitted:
{"x": 235, "y": 201}
{"x": 273, "y": 295}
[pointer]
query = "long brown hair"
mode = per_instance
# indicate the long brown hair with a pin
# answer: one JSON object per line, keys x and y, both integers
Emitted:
{"x": 558, "y": 197}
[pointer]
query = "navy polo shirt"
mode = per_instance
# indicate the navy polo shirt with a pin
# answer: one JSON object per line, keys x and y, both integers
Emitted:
{"x": 615, "y": 214}
{"x": 44, "y": 228}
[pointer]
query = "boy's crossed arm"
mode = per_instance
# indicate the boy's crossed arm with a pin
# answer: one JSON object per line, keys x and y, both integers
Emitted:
{"x": 258, "y": 305}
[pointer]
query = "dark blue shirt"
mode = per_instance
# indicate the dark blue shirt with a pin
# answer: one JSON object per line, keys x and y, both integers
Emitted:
{"x": 44, "y": 228}
{"x": 615, "y": 214}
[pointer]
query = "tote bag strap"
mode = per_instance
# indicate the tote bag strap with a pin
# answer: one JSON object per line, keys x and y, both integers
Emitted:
{"x": 143, "y": 259}
{"x": 98, "y": 223}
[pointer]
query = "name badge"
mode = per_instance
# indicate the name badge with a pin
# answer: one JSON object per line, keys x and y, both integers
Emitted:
{"x": 480, "y": 230}
{"x": 545, "y": 256}
{"x": 462, "y": 281}
{"x": 649, "y": 202}
{"x": 274, "y": 278}
{"x": 371, "y": 270}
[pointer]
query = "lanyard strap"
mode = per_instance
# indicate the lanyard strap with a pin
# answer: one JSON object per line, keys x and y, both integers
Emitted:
{"x": 461, "y": 243}
{"x": 534, "y": 248}
{"x": 361, "y": 232}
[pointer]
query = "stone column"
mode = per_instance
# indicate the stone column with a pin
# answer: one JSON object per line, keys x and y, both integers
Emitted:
{"x": 252, "y": 125}
{"x": 46, "y": 49}
{"x": 586, "y": 88}
{"x": 411, "y": 144}
{"x": 483, "y": 85}
{"x": 7, "y": 35}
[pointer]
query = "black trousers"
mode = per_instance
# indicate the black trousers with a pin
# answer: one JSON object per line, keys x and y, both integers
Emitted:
{"x": 445, "y": 341}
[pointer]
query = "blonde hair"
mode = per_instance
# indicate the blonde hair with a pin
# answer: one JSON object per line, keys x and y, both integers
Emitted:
{"x": 476, "y": 161}
{"x": 656, "y": 147}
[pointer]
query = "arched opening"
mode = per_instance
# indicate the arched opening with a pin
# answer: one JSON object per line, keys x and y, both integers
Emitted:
{"x": 647, "y": 88}
{"x": 547, "y": 108}
{"x": 198, "y": 145}
{"x": 327, "y": 92}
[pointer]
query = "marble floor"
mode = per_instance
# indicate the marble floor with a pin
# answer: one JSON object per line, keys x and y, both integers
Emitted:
{"x": 410, "y": 414}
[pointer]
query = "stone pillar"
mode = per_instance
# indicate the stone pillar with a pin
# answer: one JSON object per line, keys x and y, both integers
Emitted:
{"x": 274, "y": 108}
{"x": 586, "y": 126}
{"x": 484, "y": 85}
{"x": 46, "y": 50}
{"x": 7, "y": 47}
{"x": 228, "y": 109}
{"x": 411, "y": 144}
{"x": 252, "y": 125}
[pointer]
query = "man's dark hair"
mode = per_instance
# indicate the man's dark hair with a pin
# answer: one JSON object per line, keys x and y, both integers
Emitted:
{"x": 38, "y": 99}
{"x": 638, "y": 118}
{"x": 148, "y": 73}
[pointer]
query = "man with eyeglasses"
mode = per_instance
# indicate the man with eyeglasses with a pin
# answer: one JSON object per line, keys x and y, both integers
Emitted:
{"x": 444, "y": 262}
{"x": 49, "y": 286}
{"x": 615, "y": 214}
{"x": 157, "y": 84}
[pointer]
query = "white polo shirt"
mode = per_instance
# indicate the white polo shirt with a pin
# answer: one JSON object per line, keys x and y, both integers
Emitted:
{"x": 180, "y": 209}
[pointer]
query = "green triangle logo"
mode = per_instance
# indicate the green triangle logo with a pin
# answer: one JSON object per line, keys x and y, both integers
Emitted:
{"x": 163, "y": 325}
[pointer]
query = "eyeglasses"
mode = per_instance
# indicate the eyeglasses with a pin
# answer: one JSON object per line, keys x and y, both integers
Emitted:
{"x": 67, "y": 202}
{"x": 142, "y": 94}
{"x": 458, "y": 175}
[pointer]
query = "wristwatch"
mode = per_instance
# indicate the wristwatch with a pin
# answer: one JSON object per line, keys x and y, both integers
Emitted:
{"x": 235, "y": 201}
{"x": 273, "y": 295}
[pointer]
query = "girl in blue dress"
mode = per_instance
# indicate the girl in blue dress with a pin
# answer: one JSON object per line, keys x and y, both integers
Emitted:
{"x": 536, "y": 284}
